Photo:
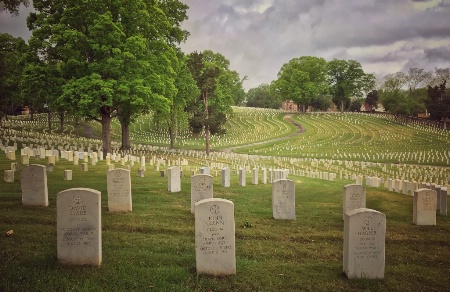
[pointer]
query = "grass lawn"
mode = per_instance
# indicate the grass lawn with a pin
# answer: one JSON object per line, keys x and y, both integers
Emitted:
{"x": 152, "y": 248}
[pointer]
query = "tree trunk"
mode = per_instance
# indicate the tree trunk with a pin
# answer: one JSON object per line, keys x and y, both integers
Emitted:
{"x": 106, "y": 134}
{"x": 207, "y": 139}
{"x": 61, "y": 121}
{"x": 342, "y": 106}
{"x": 125, "y": 127}
{"x": 171, "y": 137}
{"x": 205, "y": 100}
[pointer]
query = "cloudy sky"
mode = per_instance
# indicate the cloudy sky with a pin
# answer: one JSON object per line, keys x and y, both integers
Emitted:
{"x": 259, "y": 36}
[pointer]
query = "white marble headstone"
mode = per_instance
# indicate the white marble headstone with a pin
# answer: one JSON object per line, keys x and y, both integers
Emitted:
{"x": 33, "y": 182}
{"x": 424, "y": 207}
{"x": 283, "y": 199}
{"x": 354, "y": 197}
{"x": 215, "y": 250}
{"x": 364, "y": 244}
{"x": 119, "y": 190}
{"x": 201, "y": 188}
{"x": 79, "y": 227}
{"x": 174, "y": 181}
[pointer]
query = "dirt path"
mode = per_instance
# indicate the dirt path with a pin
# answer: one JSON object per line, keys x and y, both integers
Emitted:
{"x": 300, "y": 130}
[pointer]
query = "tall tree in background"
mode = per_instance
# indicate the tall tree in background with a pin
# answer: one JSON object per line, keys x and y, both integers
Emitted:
{"x": 186, "y": 92}
{"x": 107, "y": 52}
{"x": 12, "y": 6}
{"x": 347, "y": 79}
{"x": 216, "y": 83}
{"x": 372, "y": 99}
{"x": 438, "y": 103}
{"x": 12, "y": 61}
{"x": 395, "y": 99}
{"x": 302, "y": 79}
{"x": 263, "y": 97}
{"x": 417, "y": 77}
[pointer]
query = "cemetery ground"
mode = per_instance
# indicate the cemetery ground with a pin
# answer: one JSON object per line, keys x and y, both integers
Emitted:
{"x": 152, "y": 247}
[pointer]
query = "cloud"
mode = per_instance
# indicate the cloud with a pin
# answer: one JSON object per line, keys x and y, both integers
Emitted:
{"x": 259, "y": 36}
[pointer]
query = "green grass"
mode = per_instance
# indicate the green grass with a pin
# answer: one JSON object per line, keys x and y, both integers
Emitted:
{"x": 152, "y": 248}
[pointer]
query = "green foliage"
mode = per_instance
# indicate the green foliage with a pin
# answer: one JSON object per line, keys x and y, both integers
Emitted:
{"x": 263, "y": 97}
{"x": 372, "y": 99}
{"x": 114, "y": 58}
{"x": 12, "y": 6}
{"x": 347, "y": 79}
{"x": 12, "y": 57}
{"x": 217, "y": 85}
{"x": 438, "y": 103}
{"x": 302, "y": 80}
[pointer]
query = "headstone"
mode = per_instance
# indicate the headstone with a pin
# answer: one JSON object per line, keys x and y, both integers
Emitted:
{"x": 25, "y": 159}
{"x": 67, "y": 174}
{"x": 79, "y": 229}
{"x": 215, "y": 251}
{"x": 443, "y": 204}
{"x": 119, "y": 190}
{"x": 50, "y": 167}
{"x": 354, "y": 197}
{"x": 264, "y": 175}
{"x": 225, "y": 177}
{"x": 9, "y": 176}
{"x": 33, "y": 182}
{"x": 242, "y": 179}
{"x": 205, "y": 170}
{"x": 364, "y": 244}
{"x": 174, "y": 182}
{"x": 424, "y": 207}
{"x": 255, "y": 176}
{"x": 84, "y": 166}
{"x": 201, "y": 188}
{"x": 283, "y": 199}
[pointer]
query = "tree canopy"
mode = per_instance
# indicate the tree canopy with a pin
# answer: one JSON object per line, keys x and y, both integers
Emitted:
{"x": 347, "y": 79}
{"x": 302, "y": 80}
{"x": 112, "y": 55}
{"x": 217, "y": 85}
{"x": 12, "y": 61}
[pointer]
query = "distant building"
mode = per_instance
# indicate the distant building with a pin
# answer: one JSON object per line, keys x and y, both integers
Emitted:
{"x": 366, "y": 108}
{"x": 289, "y": 105}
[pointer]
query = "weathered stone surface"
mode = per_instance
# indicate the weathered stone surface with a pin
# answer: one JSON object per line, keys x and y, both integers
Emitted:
{"x": 79, "y": 234}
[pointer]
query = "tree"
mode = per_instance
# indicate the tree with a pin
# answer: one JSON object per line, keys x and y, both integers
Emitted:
{"x": 12, "y": 6}
{"x": 302, "y": 79}
{"x": 186, "y": 92}
{"x": 263, "y": 97}
{"x": 417, "y": 77}
{"x": 12, "y": 57}
{"x": 372, "y": 99}
{"x": 110, "y": 54}
{"x": 438, "y": 103}
{"x": 322, "y": 103}
{"x": 347, "y": 79}
{"x": 216, "y": 83}
{"x": 395, "y": 99}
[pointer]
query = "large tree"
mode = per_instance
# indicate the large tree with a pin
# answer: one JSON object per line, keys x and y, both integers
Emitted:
{"x": 438, "y": 103}
{"x": 12, "y": 6}
{"x": 110, "y": 53}
{"x": 12, "y": 61}
{"x": 302, "y": 79}
{"x": 186, "y": 92}
{"x": 347, "y": 79}
{"x": 395, "y": 98}
{"x": 216, "y": 83}
{"x": 263, "y": 97}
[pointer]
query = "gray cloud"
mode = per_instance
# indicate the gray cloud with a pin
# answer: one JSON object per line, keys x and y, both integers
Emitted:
{"x": 259, "y": 36}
